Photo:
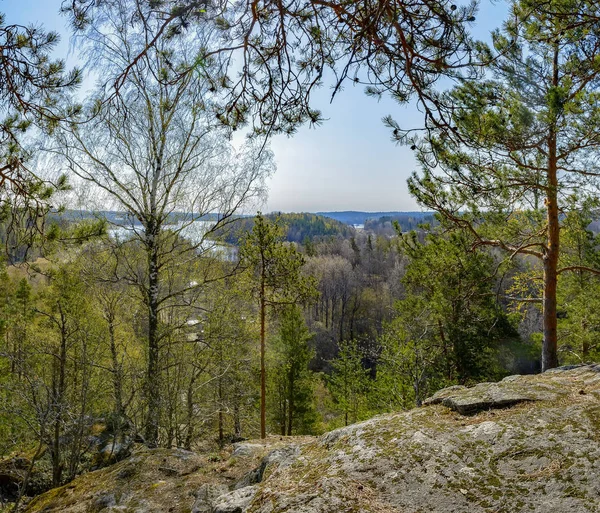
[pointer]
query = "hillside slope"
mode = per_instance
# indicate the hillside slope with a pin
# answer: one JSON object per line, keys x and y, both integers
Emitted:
{"x": 526, "y": 444}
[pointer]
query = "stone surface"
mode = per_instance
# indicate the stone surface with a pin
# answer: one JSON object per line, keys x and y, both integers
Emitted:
{"x": 170, "y": 480}
{"x": 282, "y": 457}
{"x": 486, "y": 396}
{"x": 236, "y": 501}
{"x": 528, "y": 444}
{"x": 243, "y": 449}
{"x": 206, "y": 497}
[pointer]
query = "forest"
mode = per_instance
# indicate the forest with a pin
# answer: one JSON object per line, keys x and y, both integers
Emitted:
{"x": 141, "y": 300}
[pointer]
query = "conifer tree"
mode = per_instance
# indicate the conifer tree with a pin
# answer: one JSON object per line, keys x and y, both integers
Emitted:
{"x": 276, "y": 267}
{"x": 292, "y": 380}
{"x": 349, "y": 382}
{"x": 505, "y": 152}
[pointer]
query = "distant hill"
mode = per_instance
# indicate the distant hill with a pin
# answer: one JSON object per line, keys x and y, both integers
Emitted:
{"x": 298, "y": 227}
{"x": 382, "y": 223}
{"x": 353, "y": 217}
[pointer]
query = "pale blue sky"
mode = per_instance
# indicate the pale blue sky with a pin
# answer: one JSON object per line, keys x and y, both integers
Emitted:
{"x": 348, "y": 163}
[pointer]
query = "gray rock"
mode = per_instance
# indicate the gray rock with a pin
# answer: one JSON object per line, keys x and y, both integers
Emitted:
{"x": 236, "y": 501}
{"x": 486, "y": 396}
{"x": 206, "y": 497}
{"x": 283, "y": 458}
{"x": 241, "y": 449}
{"x": 485, "y": 399}
{"x": 104, "y": 501}
{"x": 542, "y": 457}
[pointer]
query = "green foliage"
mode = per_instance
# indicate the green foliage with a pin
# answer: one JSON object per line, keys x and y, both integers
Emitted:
{"x": 350, "y": 383}
{"x": 292, "y": 382}
{"x": 275, "y": 264}
{"x": 412, "y": 363}
{"x": 33, "y": 91}
{"x": 225, "y": 357}
{"x": 295, "y": 227}
{"x": 515, "y": 151}
{"x": 449, "y": 328}
{"x": 276, "y": 268}
{"x": 579, "y": 293}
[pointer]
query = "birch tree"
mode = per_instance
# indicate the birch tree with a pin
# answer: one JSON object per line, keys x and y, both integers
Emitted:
{"x": 153, "y": 152}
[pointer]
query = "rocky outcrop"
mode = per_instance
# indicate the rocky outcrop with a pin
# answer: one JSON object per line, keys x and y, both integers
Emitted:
{"x": 485, "y": 396}
{"x": 207, "y": 495}
{"x": 173, "y": 481}
{"x": 236, "y": 501}
{"x": 14, "y": 471}
{"x": 525, "y": 444}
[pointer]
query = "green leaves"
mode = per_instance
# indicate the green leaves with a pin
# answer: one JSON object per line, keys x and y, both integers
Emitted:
{"x": 350, "y": 383}
{"x": 277, "y": 263}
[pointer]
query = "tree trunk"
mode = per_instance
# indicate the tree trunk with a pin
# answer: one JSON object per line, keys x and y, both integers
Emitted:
{"x": 190, "y": 412}
{"x": 58, "y": 400}
{"x": 221, "y": 420}
{"x": 152, "y": 377}
{"x": 447, "y": 359}
{"x": 263, "y": 376}
{"x": 283, "y": 411}
{"x": 290, "y": 406}
{"x": 550, "y": 344}
{"x": 116, "y": 368}
{"x": 237, "y": 423}
{"x": 342, "y": 317}
{"x": 550, "y": 260}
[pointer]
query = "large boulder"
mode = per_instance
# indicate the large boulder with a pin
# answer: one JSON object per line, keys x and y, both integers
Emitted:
{"x": 171, "y": 480}
{"x": 108, "y": 441}
{"x": 524, "y": 445}
{"x": 207, "y": 495}
{"x": 236, "y": 501}
{"x": 16, "y": 470}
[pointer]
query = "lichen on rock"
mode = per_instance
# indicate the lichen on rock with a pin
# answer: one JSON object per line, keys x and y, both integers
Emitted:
{"x": 525, "y": 444}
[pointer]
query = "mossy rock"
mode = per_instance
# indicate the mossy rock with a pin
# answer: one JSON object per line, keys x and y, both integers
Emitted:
{"x": 525, "y": 444}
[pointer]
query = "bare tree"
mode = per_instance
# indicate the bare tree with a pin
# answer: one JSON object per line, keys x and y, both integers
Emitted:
{"x": 153, "y": 151}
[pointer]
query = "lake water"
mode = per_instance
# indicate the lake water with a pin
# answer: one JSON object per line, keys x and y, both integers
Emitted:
{"x": 194, "y": 231}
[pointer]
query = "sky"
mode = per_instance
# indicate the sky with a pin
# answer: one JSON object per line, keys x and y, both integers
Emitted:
{"x": 347, "y": 163}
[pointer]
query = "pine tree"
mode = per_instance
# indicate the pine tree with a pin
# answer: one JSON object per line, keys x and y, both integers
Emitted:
{"x": 350, "y": 383}
{"x": 276, "y": 267}
{"x": 292, "y": 381}
{"x": 511, "y": 147}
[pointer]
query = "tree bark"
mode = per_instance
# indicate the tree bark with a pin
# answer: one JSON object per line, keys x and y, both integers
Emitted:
{"x": 290, "y": 404}
{"x": 550, "y": 259}
{"x": 237, "y": 423}
{"x": 152, "y": 377}
{"x": 263, "y": 376}
{"x": 190, "y": 415}
{"x": 58, "y": 400}
{"x": 116, "y": 368}
{"x": 221, "y": 419}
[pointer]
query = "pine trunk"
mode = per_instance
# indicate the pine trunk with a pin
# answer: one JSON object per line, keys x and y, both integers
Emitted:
{"x": 550, "y": 260}
{"x": 263, "y": 376}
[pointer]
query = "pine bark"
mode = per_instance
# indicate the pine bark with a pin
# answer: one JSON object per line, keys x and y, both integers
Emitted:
{"x": 550, "y": 258}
